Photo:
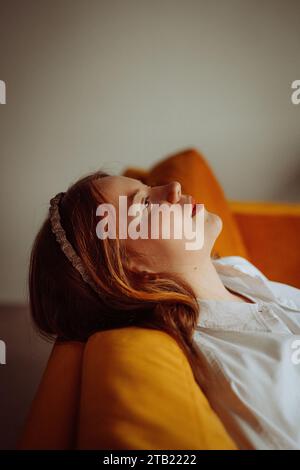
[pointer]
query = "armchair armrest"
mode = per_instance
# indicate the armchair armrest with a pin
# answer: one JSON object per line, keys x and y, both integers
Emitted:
{"x": 271, "y": 233}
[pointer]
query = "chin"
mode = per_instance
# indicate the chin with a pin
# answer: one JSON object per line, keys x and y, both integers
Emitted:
{"x": 213, "y": 225}
{"x": 218, "y": 223}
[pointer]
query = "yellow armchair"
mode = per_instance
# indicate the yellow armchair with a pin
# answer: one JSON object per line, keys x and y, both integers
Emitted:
{"x": 127, "y": 388}
{"x": 133, "y": 388}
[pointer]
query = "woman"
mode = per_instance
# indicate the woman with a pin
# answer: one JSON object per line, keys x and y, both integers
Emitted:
{"x": 236, "y": 328}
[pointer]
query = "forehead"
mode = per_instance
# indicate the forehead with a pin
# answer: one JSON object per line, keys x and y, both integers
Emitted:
{"x": 114, "y": 186}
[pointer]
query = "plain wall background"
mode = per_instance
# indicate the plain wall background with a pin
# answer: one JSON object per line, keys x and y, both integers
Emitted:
{"x": 118, "y": 83}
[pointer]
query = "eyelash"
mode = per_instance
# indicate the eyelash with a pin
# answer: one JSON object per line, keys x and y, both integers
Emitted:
{"x": 148, "y": 200}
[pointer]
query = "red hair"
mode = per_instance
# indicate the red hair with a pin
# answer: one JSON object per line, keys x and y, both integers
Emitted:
{"x": 64, "y": 306}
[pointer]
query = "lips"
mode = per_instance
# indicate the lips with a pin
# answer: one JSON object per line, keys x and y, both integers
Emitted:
{"x": 194, "y": 207}
{"x": 194, "y": 210}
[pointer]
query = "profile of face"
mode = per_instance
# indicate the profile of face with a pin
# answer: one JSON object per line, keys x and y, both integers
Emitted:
{"x": 161, "y": 254}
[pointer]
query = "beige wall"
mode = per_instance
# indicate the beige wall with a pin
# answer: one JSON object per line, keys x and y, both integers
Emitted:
{"x": 119, "y": 83}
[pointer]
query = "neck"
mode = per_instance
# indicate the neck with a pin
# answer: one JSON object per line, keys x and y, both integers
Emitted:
{"x": 207, "y": 283}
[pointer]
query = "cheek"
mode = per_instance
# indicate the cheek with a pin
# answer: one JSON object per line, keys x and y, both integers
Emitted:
{"x": 155, "y": 254}
{"x": 167, "y": 226}
{"x": 166, "y": 237}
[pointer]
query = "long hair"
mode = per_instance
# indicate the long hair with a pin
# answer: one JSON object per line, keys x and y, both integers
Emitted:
{"x": 63, "y": 306}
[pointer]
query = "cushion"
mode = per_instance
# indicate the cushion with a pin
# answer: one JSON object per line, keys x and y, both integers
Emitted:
{"x": 138, "y": 392}
{"x": 127, "y": 388}
{"x": 271, "y": 232}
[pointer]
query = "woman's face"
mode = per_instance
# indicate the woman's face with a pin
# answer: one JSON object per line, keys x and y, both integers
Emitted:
{"x": 161, "y": 254}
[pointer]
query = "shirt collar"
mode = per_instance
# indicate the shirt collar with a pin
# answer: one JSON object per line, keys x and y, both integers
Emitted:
{"x": 232, "y": 315}
{"x": 245, "y": 279}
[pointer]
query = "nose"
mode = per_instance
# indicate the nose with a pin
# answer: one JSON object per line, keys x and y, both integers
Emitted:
{"x": 170, "y": 192}
{"x": 173, "y": 192}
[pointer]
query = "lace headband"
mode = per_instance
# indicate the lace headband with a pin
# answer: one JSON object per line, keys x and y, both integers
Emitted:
{"x": 65, "y": 245}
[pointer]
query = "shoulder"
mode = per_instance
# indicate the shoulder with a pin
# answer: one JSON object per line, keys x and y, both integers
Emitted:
{"x": 286, "y": 294}
{"x": 241, "y": 264}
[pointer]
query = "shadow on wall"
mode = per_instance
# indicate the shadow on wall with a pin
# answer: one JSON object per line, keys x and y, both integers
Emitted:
{"x": 26, "y": 357}
{"x": 291, "y": 186}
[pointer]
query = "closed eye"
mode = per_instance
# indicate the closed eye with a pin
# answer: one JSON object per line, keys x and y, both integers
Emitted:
{"x": 146, "y": 202}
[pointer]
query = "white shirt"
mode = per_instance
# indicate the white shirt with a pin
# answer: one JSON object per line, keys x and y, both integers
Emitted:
{"x": 254, "y": 353}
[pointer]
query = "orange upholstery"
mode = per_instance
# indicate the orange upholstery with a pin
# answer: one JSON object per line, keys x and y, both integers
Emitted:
{"x": 146, "y": 396}
{"x": 132, "y": 388}
{"x": 51, "y": 423}
{"x": 271, "y": 232}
